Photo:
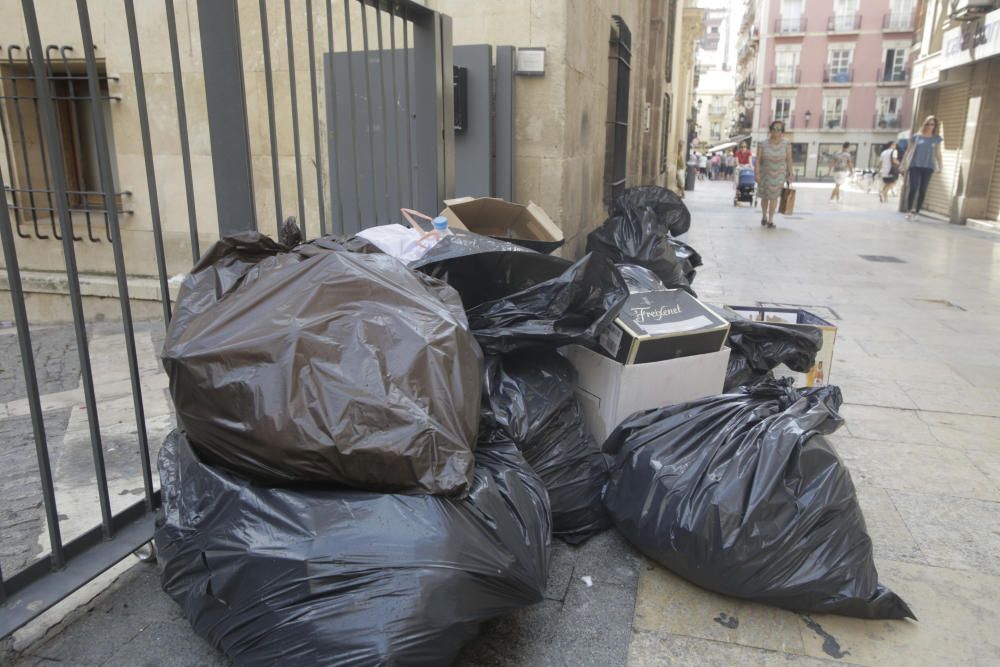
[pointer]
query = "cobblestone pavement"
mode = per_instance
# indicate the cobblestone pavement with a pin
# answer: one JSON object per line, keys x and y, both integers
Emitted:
{"x": 918, "y": 360}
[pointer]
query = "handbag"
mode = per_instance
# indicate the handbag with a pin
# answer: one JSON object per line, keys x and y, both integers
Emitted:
{"x": 786, "y": 203}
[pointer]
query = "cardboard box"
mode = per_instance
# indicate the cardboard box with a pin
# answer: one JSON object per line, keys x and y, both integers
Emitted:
{"x": 528, "y": 226}
{"x": 664, "y": 324}
{"x": 609, "y": 391}
{"x": 819, "y": 374}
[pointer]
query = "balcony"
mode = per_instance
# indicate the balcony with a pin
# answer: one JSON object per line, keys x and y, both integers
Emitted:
{"x": 786, "y": 76}
{"x": 833, "y": 121}
{"x": 892, "y": 77}
{"x": 838, "y": 76}
{"x": 899, "y": 22}
{"x": 844, "y": 23}
{"x": 790, "y": 26}
{"x": 887, "y": 121}
{"x": 718, "y": 110}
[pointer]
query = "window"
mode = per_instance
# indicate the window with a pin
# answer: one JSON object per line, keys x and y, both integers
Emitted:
{"x": 799, "y": 152}
{"x": 781, "y": 110}
{"x": 716, "y": 130}
{"x": 825, "y": 157}
{"x": 31, "y": 190}
{"x": 844, "y": 14}
{"x": 839, "y": 64}
{"x": 888, "y": 112}
{"x": 834, "y": 113}
{"x": 901, "y": 15}
{"x": 619, "y": 69}
{"x": 894, "y": 64}
{"x": 786, "y": 64}
{"x": 791, "y": 16}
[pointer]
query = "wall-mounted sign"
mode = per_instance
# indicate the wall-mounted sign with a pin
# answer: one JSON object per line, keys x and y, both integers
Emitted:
{"x": 530, "y": 61}
{"x": 972, "y": 41}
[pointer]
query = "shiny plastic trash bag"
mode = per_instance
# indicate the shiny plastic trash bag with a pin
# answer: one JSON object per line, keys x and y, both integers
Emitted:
{"x": 741, "y": 494}
{"x": 522, "y": 299}
{"x": 275, "y": 576}
{"x": 529, "y": 397}
{"x": 758, "y": 347}
{"x": 640, "y": 279}
{"x": 638, "y": 231}
{"x": 318, "y": 365}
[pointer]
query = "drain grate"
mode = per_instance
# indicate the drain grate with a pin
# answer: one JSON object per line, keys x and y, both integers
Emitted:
{"x": 882, "y": 258}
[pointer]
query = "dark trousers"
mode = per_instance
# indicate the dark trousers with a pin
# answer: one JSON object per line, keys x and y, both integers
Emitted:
{"x": 916, "y": 187}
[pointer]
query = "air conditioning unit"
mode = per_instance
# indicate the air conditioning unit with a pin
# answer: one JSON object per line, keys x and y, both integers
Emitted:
{"x": 967, "y": 10}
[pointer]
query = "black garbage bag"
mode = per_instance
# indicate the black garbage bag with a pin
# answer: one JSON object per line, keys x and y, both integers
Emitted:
{"x": 741, "y": 494}
{"x": 640, "y": 279}
{"x": 689, "y": 257}
{"x": 520, "y": 299}
{"x": 758, "y": 347}
{"x": 318, "y": 365}
{"x": 341, "y": 577}
{"x": 528, "y": 397}
{"x": 638, "y": 232}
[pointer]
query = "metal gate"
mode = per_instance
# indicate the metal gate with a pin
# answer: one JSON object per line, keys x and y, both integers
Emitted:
{"x": 115, "y": 155}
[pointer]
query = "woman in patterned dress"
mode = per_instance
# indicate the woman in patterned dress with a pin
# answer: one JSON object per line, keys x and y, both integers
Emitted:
{"x": 774, "y": 169}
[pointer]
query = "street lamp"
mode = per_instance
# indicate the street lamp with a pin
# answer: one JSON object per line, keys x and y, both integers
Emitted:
{"x": 808, "y": 115}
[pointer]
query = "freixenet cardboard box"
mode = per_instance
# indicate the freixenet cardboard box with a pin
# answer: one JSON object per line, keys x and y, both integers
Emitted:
{"x": 609, "y": 391}
{"x": 665, "y": 324}
{"x": 819, "y": 374}
{"x": 526, "y": 225}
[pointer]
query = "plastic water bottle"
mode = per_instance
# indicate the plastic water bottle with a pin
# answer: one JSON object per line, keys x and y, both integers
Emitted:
{"x": 441, "y": 226}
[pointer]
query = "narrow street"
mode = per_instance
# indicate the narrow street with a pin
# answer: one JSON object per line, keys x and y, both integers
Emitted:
{"x": 918, "y": 359}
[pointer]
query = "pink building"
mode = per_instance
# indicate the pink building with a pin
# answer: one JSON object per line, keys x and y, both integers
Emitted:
{"x": 834, "y": 71}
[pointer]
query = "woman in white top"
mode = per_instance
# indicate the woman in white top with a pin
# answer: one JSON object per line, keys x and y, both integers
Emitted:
{"x": 889, "y": 171}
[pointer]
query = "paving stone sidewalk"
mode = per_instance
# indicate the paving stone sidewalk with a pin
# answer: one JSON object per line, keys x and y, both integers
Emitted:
{"x": 918, "y": 359}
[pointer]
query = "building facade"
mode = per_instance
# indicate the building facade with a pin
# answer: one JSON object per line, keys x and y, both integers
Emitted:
{"x": 625, "y": 103}
{"x": 957, "y": 78}
{"x": 714, "y": 94}
{"x": 834, "y": 71}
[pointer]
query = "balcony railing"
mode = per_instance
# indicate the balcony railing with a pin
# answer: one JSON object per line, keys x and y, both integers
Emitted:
{"x": 887, "y": 121}
{"x": 838, "y": 76}
{"x": 898, "y": 21}
{"x": 844, "y": 23}
{"x": 786, "y": 76}
{"x": 790, "y": 25}
{"x": 892, "y": 76}
{"x": 833, "y": 121}
{"x": 717, "y": 110}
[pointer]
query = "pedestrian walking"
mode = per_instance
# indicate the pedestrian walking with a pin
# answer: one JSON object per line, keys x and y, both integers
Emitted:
{"x": 730, "y": 165}
{"x": 922, "y": 159}
{"x": 702, "y": 166}
{"x": 841, "y": 164}
{"x": 774, "y": 170}
{"x": 716, "y": 164}
{"x": 889, "y": 170}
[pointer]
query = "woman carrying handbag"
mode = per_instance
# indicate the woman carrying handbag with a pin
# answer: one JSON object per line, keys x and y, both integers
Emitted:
{"x": 922, "y": 159}
{"x": 774, "y": 171}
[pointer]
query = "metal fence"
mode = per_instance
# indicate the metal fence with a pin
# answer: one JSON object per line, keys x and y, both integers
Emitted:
{"x": 378, "y": 115}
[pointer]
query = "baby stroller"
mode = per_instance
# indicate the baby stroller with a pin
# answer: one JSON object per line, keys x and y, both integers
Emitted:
{"x": 746, "y": 186}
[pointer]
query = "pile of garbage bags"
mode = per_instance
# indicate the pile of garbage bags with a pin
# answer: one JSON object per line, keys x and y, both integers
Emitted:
{"x": 638, "y": 231}
{"x": 756, "y": 348}
{"x": 741, "y": 494}
{"x": 274, "y": 575}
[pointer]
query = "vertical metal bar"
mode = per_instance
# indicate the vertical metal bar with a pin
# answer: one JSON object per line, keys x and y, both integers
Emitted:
{"x": 31, "y": 383}
{"x": 147, "y": 156}
{"x": 409, "y": 115}
{"x": 317, "y": 155}
{"x": 295, "y": 115}
{"x": 350, "y": 98}
{"x": 368, "y": 99}
{"x": 385, "y": 103}
{"x": 75, "y": 131}
{"x": 395, "y": 100}
{"x": 111, "y": 206}
{"x": 45, "y": 162}
{"x": 5, "y": 137}
{"x": 51, "y": 129}
{"x": 331, "y": 153}
{"x": 265, "y": 37}
{"x": 503, "y": 184}
{"x": 24, "y": 144}
{"x": 175, "y": 60}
